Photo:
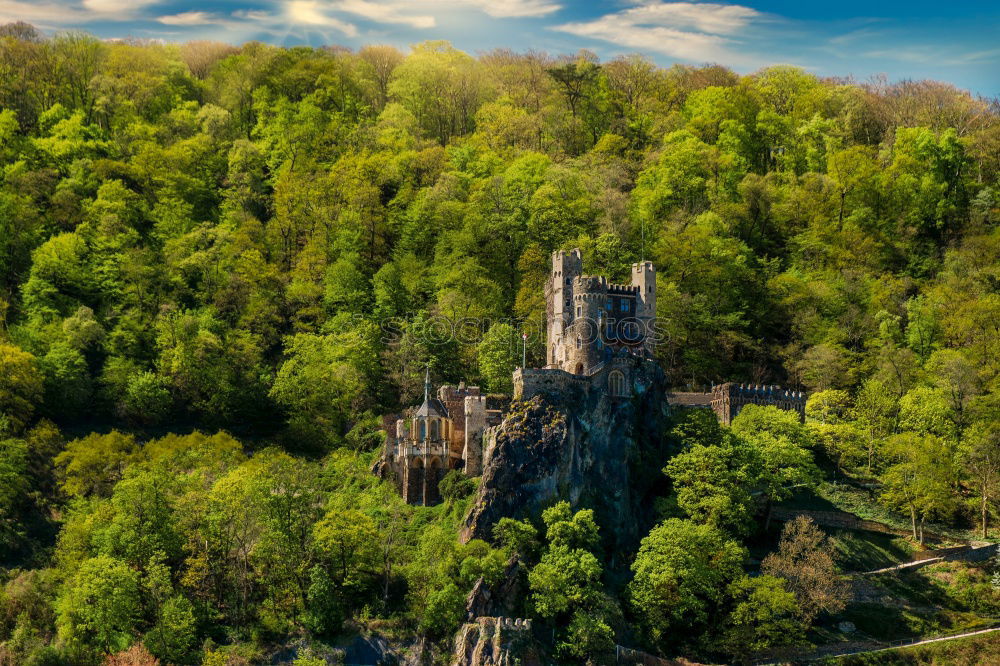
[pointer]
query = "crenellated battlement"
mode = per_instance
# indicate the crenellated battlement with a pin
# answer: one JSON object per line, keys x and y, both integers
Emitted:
{"x": 622, "y": 289}
{"x": 757, "y": 390}
{"x": 728, "y": 399}
{"x": 512, "y": 623}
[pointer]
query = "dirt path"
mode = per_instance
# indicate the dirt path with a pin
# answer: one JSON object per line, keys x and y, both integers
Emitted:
{"x": 845, "y": 651}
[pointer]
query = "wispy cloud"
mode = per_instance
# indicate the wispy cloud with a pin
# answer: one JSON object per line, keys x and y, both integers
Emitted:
{"x": 687, "y": 30}
{"x": 190, "y": 18}
{"x": 384, "y": 12}
{"x": 56, "y": 13}
{"x": 514, "y": 8}
{"x": 930, "y": 54}
{"x": 310, "y": 13}
{"x": 117, "y": 8}
{"x": 43, "y": 13}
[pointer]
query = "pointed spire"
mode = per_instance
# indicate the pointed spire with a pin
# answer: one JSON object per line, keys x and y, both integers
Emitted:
{"x": 427, "y": 384}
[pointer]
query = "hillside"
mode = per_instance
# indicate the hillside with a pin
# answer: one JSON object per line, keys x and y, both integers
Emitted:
{"x": 220, "y": 266}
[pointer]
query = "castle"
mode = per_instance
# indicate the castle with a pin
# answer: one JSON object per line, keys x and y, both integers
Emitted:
{"x": 443, "y": 434}
{"x": 591, "y": 320}
{"x": 599, "y": 335}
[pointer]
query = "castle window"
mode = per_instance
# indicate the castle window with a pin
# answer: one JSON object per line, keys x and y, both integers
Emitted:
{"x": 567, "y": 280}
{"x": 607, "y": 305}
{"x": 579, "y": 343}
{"x": 423, "y": 429}
{"x": 616, "y": 384}
{"x": 434, "y": 430}
{"x": 579, "y": 311}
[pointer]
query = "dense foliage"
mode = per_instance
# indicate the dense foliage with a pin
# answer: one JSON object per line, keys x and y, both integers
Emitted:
{"x": 277, "y": 242}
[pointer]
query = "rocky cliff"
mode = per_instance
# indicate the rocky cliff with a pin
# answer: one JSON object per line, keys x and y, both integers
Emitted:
{"x": 573, "y": 441}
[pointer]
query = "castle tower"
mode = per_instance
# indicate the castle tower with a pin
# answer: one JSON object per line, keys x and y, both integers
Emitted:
{"x": 566, "y": 267}
{"x": 583, "y": 339}
{"x": 475, "y": 424}
{"x": 644, "y": 278}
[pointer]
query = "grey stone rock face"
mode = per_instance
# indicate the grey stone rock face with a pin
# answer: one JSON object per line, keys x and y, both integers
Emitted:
{"x": 576, "y": 442}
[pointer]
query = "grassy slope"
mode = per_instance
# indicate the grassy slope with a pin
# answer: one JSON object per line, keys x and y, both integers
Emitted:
{"x": 984, "y": 649}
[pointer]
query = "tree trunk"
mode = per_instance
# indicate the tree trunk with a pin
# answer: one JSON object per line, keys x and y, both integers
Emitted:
{"x": 982, "y": 506}
{"x": 913, "y": 521}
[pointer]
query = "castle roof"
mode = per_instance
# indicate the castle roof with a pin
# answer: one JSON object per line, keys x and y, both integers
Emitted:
{"x": 432, "y": 407}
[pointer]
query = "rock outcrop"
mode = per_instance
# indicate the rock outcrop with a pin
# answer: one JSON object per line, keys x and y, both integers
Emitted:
{"x": 503, "y": 598}
{"x": 574, "y": 441}
{"x": 497, "y": 641}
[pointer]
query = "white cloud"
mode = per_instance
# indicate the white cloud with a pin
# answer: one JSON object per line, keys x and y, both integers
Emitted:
{"x": 38, "y": 12}
{"x": 418, "y": 14}
{"x": 189, "y": 19}
{"x": 253, "y": 15}
{"x": 308, "y": 12}
{"x": 383, "y": 12}
{"x": 116, "y": 8}
{"x": 514, "y": 8}
{"x": 54, "y": 13}
{"x": 691, "y": 31}
{"x": 926, "y": 54}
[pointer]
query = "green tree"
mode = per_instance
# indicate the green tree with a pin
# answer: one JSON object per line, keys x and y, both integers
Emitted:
{"x": 20, "y": 385}
{"x": 14, "y": 481}
{"x": 101, "y": 607}
{"x": 765, "y": 614}
{"x": 93, "y": 464}
{"x": 980, "y": 457}
{"x": 830, "y": 406}
{"x": 782, "y": 443}
{"x": 714, "y": 483}
{"x": 680, "y": 576}
{"x": 498, "y": 356}
{"x": 564, "y": 579}
{"x": 918, "y": 478}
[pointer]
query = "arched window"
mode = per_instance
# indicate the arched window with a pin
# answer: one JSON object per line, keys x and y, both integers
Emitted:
{"x": 579, "y": 343}
{"x": 434, "y": 429}
{"x": 423, "y": 429}
{"x": 616, "y": 384}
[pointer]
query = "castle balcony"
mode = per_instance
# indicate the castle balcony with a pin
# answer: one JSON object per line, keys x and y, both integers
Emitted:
{"x": 424, "y": 449}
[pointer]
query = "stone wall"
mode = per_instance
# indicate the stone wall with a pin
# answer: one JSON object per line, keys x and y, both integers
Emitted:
{"x": 497, "y": 641}
{"x": 729, "y": 398}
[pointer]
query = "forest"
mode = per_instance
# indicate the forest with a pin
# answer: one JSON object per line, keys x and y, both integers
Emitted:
{"x": 220, "y": 265}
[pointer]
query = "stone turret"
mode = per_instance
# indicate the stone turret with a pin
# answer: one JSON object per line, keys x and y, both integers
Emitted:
{"x": 644, "y": 279}
{"x": 475, "y": 424}
{"x": 585, "y": 346}
{"x": 566, "y": 267}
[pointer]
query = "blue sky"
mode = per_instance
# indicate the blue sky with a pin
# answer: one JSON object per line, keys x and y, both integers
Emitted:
{"x": 950, "y": 41}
